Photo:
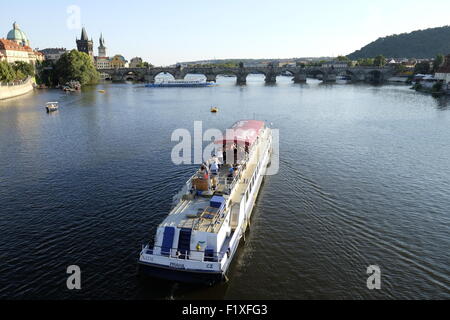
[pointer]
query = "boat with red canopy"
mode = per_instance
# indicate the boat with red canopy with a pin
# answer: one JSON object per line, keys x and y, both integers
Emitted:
{"x": 197, "y": 241}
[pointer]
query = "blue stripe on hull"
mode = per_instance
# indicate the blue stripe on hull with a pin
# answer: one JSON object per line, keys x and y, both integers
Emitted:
{"x": 203, "y": 278}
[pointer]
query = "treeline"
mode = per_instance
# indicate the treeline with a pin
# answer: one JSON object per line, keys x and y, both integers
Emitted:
{"x": 378, "y": 61}
{"x": 72, "y": 66}
{"x": 17, "y": 71}
{"x": 421, "y": 44}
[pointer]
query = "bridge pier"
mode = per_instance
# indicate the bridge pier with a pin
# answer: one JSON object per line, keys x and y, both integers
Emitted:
{"x": 116, "y": 78}
{"x": 329, "y": 77}
{"x": 241, "y": 78}
{"x": 179, "y": 75}
{"x": 271, "y": 78}
{"x": 211, "y": 77}
{"x": 149, "y": 78}
{"x": 358, "y": 77}
{"x": 299, "y": 77}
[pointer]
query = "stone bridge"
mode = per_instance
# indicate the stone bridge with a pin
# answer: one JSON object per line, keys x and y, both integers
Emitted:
{"x": 299, "y": 74}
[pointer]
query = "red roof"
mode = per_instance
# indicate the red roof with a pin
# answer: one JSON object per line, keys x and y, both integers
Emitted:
{"x": 243, "y": 131}
{"x": 11, "y": 45}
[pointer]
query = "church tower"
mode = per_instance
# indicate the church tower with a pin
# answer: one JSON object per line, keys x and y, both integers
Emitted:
{"x": 85, "y": 45}
{"x": 102, "y": 48}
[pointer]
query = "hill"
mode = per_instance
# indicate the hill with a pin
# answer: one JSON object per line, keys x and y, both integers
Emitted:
{"x": 417, "y": 44}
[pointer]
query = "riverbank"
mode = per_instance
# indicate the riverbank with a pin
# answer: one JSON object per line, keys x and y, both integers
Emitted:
{"x": 8, "y": 91}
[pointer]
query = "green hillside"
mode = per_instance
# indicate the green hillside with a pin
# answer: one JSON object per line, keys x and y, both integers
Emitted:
{"x": 417, "y": 44}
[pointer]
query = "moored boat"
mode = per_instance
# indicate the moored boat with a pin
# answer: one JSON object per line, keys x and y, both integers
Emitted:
{"x": 197, "y": 241}
{"x": 343, "y": 79}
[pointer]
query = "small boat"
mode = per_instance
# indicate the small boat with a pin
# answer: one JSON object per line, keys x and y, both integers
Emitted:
{"x": 51, "y": 106}
{"x": 214, "y": 109}
{"x": 101, "y": 91}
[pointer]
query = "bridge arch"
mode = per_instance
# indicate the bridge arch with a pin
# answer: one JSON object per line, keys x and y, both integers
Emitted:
{"x": 164, "y": 73}
{"x": 317, "y": 73}
{"x": 129, "y": 76}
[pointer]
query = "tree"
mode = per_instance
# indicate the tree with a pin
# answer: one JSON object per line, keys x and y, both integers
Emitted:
{"x": 23, "y": 69}
{"x": 144, "y": 65}
{"x": 438, "y": 62}
{"x": 343, "y": 59}
{"x": 77, "y": 66}
{"x": 379, "y": 61}
{"x": 422, "y": 67}
{"x": 7, "y": 72}
{"x": 366, "y": 62}
{"x": 45, "y": 73}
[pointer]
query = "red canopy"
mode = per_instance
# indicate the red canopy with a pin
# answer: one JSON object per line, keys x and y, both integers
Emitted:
{"x": 243, "y": 131}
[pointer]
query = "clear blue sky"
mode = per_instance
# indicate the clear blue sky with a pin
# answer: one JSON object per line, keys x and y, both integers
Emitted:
{"x": 167, "y": 31}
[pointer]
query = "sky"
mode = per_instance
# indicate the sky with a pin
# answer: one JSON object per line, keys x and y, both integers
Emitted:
{"x": 164, "y": 32}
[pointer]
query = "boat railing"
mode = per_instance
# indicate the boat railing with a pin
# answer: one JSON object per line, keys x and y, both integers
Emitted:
{"x": 191, "y": 255}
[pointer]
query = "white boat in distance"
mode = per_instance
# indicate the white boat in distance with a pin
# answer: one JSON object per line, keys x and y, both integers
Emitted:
{"x": 197, "y": 241}
{"x": 51, "y": 106}
{"x": 180, "y": 83}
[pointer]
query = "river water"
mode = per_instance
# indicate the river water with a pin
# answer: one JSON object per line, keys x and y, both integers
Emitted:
{"x": 364, "y": 180}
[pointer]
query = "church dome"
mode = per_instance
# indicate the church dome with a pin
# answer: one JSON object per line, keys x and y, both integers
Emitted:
{"x": 18, "y": 35}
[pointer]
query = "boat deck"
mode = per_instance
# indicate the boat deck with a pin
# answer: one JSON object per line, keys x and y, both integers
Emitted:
{"x": 196, "y": 214}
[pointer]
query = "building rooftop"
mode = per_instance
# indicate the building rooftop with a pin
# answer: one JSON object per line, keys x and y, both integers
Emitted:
{"x": 6, "y": 44}
{"x": 17, "y": 35}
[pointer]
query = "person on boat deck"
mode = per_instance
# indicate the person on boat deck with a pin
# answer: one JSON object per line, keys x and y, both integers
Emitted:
{"x": 204, "y": 170}
{"x": 214, "y": 168}
{"x": 231, "y": 172}
{"x": 217, "y": 160}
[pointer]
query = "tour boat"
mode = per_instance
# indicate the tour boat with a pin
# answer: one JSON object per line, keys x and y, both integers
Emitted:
{"x": 51, "y": 106}
{"x": 197, "y": 241}
{"x": 180, "y": 83}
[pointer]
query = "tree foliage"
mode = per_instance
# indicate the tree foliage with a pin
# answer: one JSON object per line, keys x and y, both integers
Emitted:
{"x": 422, "y": 68}
{"x": 343, "y": 58}
{"x": 77, "y": 66}
{"x": 7, "y": 73}
{"x": 23, "y": 69}
{"x": 366, "y": 62}
{"x": 438, "y": 62}
{"x": 18, "y": 70}
{"x": 424, "y": 44}
{"x": 144, "y": 65}
{"x": 379, "y": 61}
{"x": 45, "y": 73}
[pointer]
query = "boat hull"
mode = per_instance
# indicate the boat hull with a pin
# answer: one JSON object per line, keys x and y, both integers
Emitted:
{"x": 184, "y": 276}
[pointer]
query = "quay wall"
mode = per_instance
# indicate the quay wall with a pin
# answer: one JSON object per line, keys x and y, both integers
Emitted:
{"x": 8, "y": 91}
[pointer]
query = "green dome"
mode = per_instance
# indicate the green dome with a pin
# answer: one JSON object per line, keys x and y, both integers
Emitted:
{"x": 17, "y": 35}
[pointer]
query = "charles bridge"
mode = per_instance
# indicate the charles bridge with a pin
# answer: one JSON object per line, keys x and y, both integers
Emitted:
{"x": 299, "y": 74}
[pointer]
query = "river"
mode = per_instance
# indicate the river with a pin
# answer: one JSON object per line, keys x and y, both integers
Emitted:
{"x": 364, "y": 180}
